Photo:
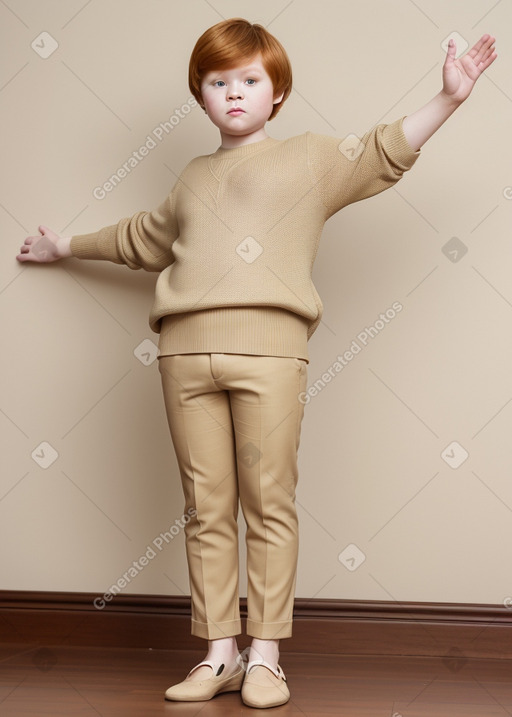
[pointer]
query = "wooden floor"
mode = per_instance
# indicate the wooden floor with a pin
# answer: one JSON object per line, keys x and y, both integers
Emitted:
{"x": 111, "y": 682}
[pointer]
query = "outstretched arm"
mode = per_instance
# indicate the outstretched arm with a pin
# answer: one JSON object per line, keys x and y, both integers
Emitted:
{"x": 459, "y": 77}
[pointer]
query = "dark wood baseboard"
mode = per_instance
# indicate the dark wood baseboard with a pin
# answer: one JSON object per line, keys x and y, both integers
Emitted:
{"x": 365, "y": 627}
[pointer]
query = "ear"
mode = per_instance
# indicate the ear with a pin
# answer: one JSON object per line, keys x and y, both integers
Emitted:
{"x": 277, "y": 100}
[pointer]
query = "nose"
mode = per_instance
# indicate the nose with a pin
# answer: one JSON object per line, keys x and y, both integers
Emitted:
{"x": 234, "y": 93}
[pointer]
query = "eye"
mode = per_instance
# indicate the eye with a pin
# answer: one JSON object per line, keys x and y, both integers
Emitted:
{"x": 218, "y": 83}
{"x": 253, "y": 82}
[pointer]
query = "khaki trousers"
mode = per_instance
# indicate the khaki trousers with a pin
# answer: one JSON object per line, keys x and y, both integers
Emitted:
{"x": 235, "y": 424}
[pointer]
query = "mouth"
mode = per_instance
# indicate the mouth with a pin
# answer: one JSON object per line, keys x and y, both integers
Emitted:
{"x": 236, "y": 111}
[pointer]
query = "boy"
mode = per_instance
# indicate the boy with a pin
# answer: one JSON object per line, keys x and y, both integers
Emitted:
{"x": 235, "y": 242}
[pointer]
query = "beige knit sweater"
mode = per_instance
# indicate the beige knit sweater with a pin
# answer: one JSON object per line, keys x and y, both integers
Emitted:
{"x": 236, "y": 239}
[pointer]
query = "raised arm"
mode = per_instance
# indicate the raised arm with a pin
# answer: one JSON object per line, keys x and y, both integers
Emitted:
{"x": 459, "y": 77}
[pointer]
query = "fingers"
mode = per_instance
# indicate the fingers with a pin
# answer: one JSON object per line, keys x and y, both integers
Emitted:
{"x": 485, "y": 53}
{"x": 487, "y": 62}
{"x": 28, "y": 242}
{"x": 479, "y": 44}
{"x": 25, "y": 249}
{"x": 488, "y": 57}
{"x": 483, "y": 49}
{"x": 25, "y": 255}
{"x": 479, "y": 58}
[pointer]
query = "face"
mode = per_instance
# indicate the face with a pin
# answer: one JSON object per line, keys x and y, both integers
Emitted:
{"x": 239, "y": 101}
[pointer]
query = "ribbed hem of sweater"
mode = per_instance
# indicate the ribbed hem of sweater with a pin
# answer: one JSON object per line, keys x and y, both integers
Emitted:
{"x": 255, "y": 330}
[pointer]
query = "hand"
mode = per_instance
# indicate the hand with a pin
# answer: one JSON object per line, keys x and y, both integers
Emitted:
{"x": 459, "y": 76}
{"x": 45, "y": 249}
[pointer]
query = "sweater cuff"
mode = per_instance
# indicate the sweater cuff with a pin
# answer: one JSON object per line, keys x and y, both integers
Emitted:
{"x": 397, "y": 146}
{"x": 97, "y": 245}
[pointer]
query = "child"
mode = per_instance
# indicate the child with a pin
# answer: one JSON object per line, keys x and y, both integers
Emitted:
{"x": 235, "y": 242}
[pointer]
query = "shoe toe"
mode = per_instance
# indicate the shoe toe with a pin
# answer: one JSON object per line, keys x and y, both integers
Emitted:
{"x": 262, "y": 688}
{"x": 201, "y": 690}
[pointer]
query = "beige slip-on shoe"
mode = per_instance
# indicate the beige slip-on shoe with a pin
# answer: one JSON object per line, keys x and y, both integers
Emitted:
{"x": 264, "y": 686}
{"x": 201, "y": 690}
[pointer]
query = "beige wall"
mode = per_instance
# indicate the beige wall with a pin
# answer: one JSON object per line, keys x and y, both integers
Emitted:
{"x": 372, "y": 472}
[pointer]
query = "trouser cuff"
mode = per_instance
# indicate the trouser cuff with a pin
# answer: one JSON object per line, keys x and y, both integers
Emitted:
{"x": 216, "y": 630}
{"x": 269, "y": 630}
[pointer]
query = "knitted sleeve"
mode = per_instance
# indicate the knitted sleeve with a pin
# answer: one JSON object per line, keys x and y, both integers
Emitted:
{"x": 142, "y": 241}
{"x": 346, "y": 171}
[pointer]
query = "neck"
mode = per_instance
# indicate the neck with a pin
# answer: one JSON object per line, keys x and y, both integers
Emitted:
{"x": 230, "y": 141}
